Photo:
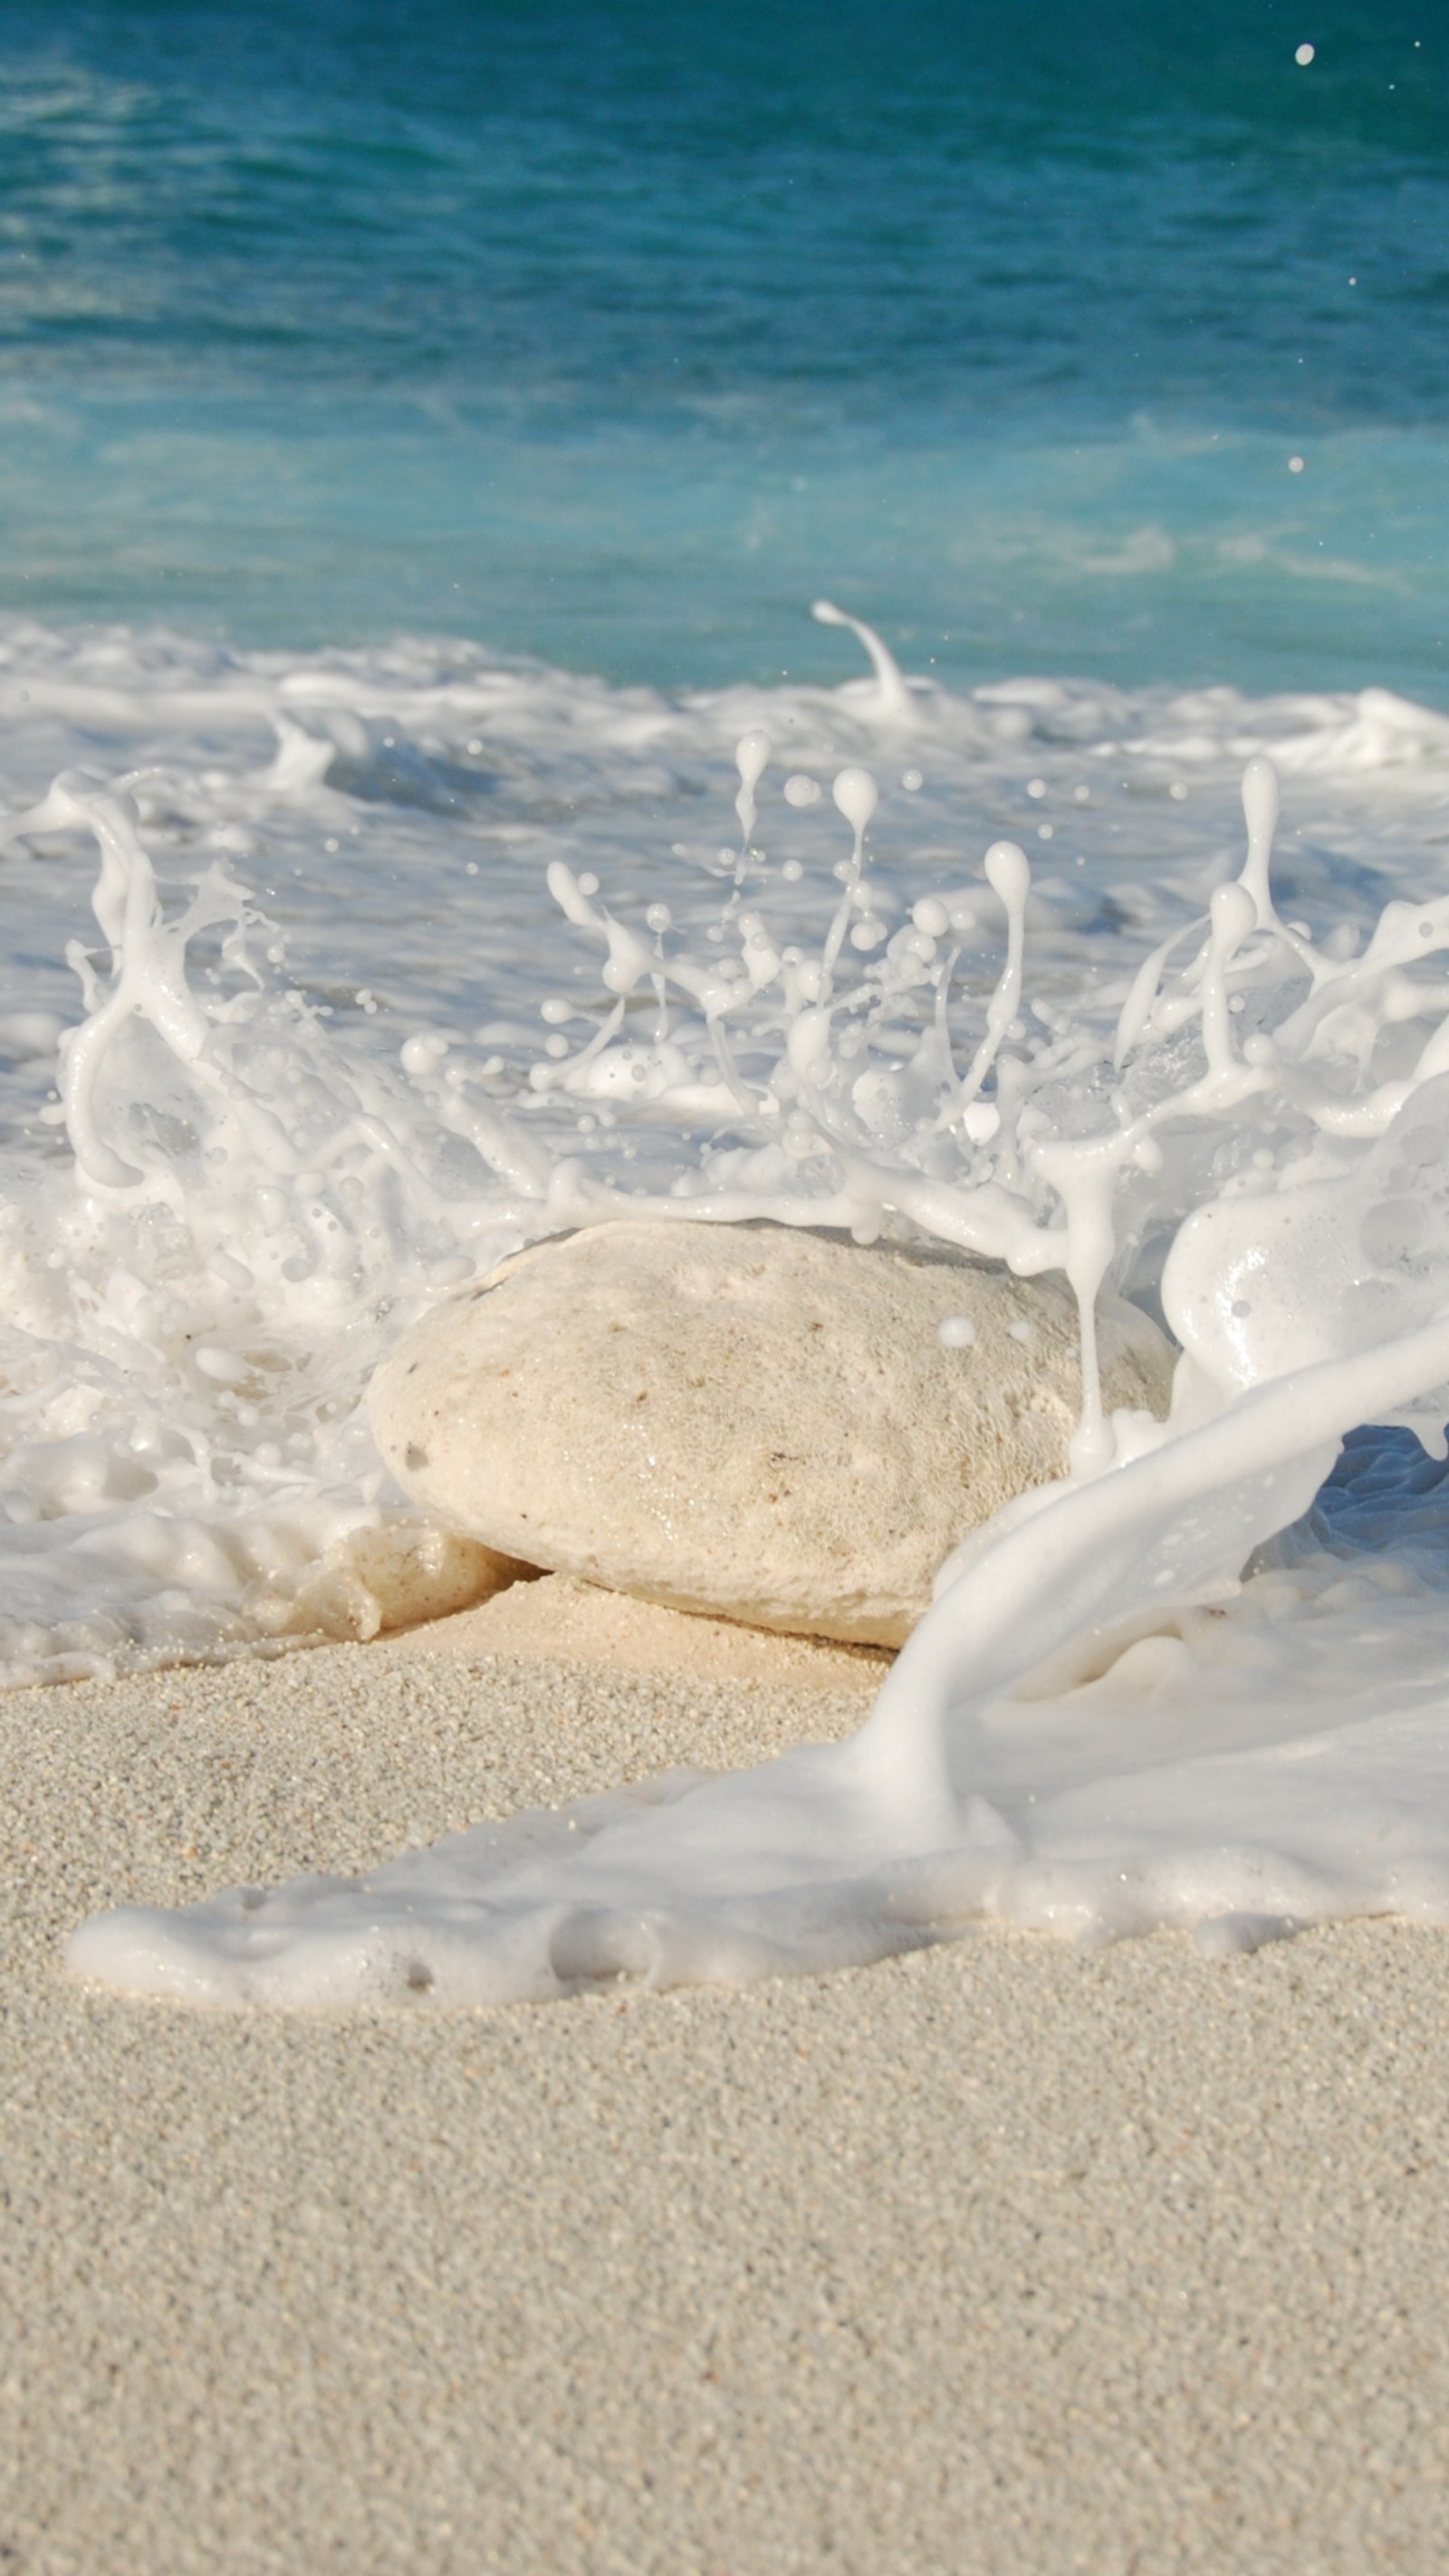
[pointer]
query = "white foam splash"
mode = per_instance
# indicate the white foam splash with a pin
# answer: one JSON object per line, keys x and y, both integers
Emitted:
{"x": 1253, "y": 1118}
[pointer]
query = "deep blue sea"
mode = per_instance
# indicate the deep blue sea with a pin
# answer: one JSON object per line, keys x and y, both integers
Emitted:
{"x": 613, "y": 334}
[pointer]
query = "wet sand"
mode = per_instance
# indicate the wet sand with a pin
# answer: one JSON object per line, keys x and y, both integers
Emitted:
{"x": 996, "y": 2259}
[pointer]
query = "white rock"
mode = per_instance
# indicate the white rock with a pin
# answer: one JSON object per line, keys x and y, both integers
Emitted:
{"x": 749, "y": 1421}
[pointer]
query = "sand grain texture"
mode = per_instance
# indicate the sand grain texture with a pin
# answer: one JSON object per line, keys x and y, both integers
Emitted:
{"x": 995, "y": 2259}
{"x": 560, "y": 1621}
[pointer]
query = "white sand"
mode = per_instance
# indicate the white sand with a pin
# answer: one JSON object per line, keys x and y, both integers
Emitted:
{"x": 991, "y": 2262}
{"x": 581, "y": 1623}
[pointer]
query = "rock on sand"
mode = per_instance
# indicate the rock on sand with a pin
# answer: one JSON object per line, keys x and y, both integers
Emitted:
{"x": 757, "y": 1423}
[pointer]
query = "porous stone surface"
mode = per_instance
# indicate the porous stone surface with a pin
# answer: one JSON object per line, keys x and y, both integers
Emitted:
{"x": 751, "y": 1421}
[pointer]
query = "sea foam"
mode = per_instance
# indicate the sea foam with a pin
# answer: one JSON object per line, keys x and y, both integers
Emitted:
{"x": 1147, "y": 1064}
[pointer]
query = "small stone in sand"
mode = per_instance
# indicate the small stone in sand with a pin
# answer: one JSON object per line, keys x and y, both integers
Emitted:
{"x": 375, "y": 1582}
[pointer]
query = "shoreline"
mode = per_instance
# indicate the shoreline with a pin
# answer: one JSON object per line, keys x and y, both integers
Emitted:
{"x": 990, "y": 2257}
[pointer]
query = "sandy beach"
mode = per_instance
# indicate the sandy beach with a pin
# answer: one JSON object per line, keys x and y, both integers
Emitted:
{"x": 992, "y": 2259}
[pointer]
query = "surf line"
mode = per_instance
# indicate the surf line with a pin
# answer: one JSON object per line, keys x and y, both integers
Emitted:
{"x": 1309, "y": 1292}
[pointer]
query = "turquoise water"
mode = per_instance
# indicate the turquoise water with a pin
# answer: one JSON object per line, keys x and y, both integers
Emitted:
{"x": 613, "y": 336}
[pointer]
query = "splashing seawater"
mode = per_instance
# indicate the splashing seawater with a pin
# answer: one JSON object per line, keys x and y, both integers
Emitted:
{"x": 1104, "y": 1723}
{"x": 190, "y": 1309}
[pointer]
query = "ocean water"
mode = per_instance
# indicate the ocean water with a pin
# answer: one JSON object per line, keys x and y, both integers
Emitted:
{"x": 613, "y": 335}
{"x": 421, "y": 447}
